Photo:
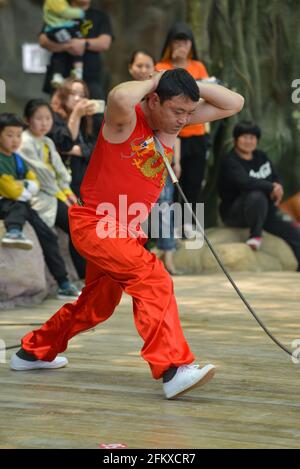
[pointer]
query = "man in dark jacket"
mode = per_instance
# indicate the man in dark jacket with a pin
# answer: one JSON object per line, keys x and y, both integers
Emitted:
{"x": 97, "y": 37}
{"x": 251, "y": 191}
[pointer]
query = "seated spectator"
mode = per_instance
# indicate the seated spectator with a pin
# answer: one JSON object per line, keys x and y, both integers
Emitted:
{"x": 18, "y": 185}
{"x": 62, "y": 23}
{"x": 55, "y": 194}
{"x": 251, "y": 191}
{"x": 73, "y": 132}
{"x": 97, "y": 36}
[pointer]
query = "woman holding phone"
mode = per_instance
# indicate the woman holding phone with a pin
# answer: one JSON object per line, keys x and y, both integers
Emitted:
{"x": 76, "y": 123}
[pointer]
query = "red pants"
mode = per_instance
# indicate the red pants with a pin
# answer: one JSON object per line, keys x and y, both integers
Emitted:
{"x": 114, "y": 266}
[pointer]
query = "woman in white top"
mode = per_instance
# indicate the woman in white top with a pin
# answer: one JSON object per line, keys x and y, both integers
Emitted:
{"x": 39, "y": 152}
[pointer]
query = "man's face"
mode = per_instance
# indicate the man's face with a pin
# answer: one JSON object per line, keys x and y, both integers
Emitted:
{"x": 246, "y": 143}
{"x": 77, "y": 93}
{"x": 142, "y": 67}
{"x": 180, "y": 48}
{"x": 41, "y": 122}
{"x": 174, "y": 114}
{"x": 10, "y": 139}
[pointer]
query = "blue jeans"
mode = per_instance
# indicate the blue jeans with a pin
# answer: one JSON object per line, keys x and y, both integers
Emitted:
{"x": 166, "y": 221}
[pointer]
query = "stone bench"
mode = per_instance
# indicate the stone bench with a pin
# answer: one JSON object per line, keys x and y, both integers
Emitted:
{"x": 24, "y": 277}
{"x": 274, "y": 255}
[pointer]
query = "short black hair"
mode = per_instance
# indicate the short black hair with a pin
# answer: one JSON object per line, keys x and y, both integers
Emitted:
{"x": 141, "y": 51}
{"x": 246, "y": 127}
{"x": 177, "y": 82}
{"x": 7, "y": 119}
{"x": 33, "y": 105}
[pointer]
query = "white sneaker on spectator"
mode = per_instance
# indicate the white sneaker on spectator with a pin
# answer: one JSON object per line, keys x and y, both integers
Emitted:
{"x": 188, "y": 377}
{"x": 16, "y": 239}
{"x": 57, "y": 80}
{"x": 188, "y": 231}
{"x": 77, "y": 73}
{"x": 254, "y": 243}
{"x": 18, "y": 364}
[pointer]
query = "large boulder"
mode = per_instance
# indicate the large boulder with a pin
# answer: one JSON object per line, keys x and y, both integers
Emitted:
{"x": 188, "y": 260}
{"x": 235, "y": 256}
{"x": 25, "y": 278}
{"x": 22, "y": 278}
{"x": 229, "y": 243}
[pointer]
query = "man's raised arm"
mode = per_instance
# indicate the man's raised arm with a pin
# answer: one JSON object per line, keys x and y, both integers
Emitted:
{"x": 120, "y": 116}
{"x": 217, "y": 102}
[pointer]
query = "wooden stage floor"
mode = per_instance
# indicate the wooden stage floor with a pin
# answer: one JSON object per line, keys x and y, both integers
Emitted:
{"x": 107, "y": 395}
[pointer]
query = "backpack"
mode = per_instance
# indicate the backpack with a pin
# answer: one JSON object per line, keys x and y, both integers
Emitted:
{"x": 20, "y": 167}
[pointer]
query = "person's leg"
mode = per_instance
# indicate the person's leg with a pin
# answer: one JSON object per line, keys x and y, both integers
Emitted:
{"x": 129, "y": 267}
{"x": 248, "y": 210}
{"x": 256, "y": 206}
{"x": 95, "y": 304}
{"x": 142, "y": 276}
{"x": 14, "y": 214}
{"x": 193, "y": 163}
{"x": 58, "y": 65}
{"x": 276, "y": 225}
{"x": 95, "y": 88}
{"x": 62, "y": 221}
{"x": 166, "y": 241}
{"x": 49, "y": 244}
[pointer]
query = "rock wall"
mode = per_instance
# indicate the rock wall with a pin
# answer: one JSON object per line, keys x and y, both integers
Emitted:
{"x": 22, "y": 273}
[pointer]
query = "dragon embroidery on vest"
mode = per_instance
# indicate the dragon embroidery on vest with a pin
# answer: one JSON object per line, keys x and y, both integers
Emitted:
{"x": 149, "y": 161}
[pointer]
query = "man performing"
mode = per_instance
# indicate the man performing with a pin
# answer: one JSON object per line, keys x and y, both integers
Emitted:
{"x": 126, "y": 162}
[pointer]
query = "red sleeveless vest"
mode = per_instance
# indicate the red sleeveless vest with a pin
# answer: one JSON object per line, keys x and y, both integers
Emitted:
{"x": 132, "y": 169}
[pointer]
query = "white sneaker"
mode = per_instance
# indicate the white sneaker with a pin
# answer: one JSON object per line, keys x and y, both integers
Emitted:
{"x": 19, "y": 364}
{"x": 57, "y": 80}
{"x": 16, "y": 239}
{"x": 77, "y": 73}
{"x": 189, "y": 231}
{"x": 188, "y": 377}
{"x": 254, "y": 243}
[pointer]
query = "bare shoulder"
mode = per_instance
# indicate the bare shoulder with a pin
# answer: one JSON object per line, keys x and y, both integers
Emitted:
{"x": 116, "y": 129}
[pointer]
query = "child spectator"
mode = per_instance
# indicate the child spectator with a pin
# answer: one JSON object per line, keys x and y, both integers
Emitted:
{"x": 62, "y": 23}
{"x": 18, "y": 185}
{"x": 55, "y": 195}
{"x": 97, "y": 37}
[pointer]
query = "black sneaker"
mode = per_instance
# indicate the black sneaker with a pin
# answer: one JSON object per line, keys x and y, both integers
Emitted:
{"x": 68, "y": 292}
